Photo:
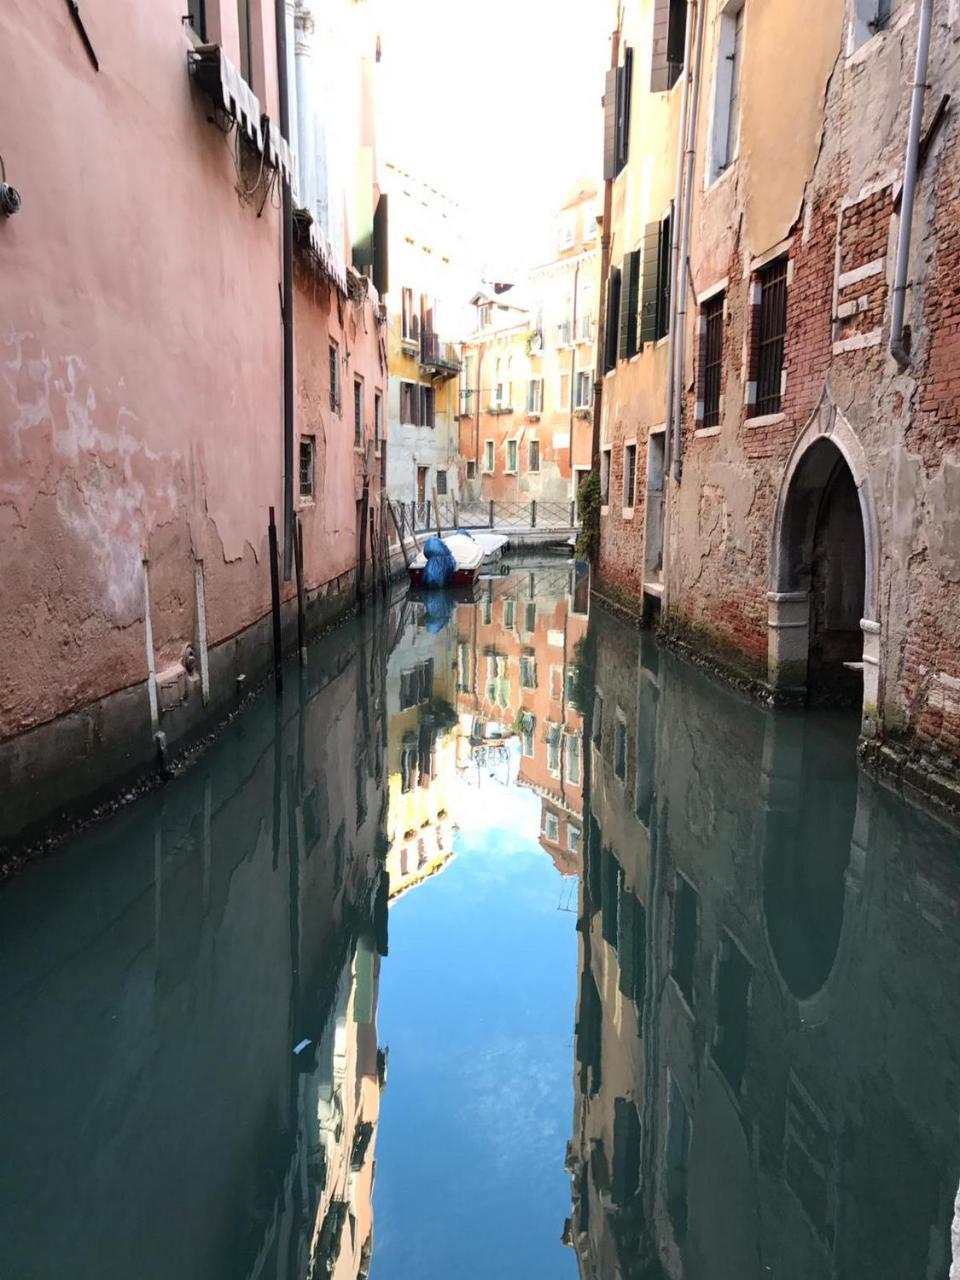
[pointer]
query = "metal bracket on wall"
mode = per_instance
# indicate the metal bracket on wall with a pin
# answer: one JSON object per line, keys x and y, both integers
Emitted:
{"x": 78, "y": 23}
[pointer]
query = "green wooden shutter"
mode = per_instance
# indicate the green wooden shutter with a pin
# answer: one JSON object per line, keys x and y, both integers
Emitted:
{"x": 381, "y": 261}
{"x": 624, "y": 86}
{"x": 633, "y": 301}
{"x": 610, "y": 126}
{"x": 663, "y": 277}
{"x": 623, "y": 340}
{"x": 612, "y": 320}
{"x": 648, "y": 286}
{"x": 625, "y": 953}
{"x": 659, "y": 75}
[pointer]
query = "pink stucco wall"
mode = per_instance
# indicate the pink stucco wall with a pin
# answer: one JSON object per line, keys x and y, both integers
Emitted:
{"x": 140, "y": 359}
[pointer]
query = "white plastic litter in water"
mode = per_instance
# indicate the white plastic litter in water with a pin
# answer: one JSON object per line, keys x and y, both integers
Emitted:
{"x": 299, "y": 1048}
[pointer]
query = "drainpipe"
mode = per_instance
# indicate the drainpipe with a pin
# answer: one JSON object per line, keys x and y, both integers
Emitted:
{"x": 675, "y": 246}
{"x": 684, "y": 246}
{"x": 599, "y": 370}
{"x": 897, "y": 349}
{"x": 280, "y": 10}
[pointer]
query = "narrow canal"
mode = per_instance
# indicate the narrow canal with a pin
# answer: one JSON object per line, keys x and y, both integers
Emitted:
{"x": 504, "y": 931}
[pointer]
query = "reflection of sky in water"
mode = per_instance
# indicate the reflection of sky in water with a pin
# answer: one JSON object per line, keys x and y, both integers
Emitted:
{"x": 477, "y": 1005}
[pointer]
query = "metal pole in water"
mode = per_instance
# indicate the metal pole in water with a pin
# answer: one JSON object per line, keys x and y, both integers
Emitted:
{"x": 275, "y": 602}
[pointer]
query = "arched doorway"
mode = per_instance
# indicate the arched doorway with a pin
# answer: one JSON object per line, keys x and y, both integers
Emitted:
{"x": 824, "y": 635}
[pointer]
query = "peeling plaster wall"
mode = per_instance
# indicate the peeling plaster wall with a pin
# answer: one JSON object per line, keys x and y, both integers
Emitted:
{"x": 141, "y": 365}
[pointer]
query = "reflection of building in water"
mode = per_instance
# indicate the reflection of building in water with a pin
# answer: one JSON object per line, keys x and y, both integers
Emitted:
{"x": 184, "y": 952}
{"x": 517, "y": 691}
{"x": 768, "y": 1027}
{"x": 421, "y": 748}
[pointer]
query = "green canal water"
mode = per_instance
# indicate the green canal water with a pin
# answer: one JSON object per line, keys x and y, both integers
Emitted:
{"x": 505, "y": 945}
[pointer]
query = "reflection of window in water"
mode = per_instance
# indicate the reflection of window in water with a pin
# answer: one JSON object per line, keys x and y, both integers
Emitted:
{"x": 509, "y": 612}
{"x": 464, "y": 668}
{"x": 488, "y": 610}
{"x": 572, "y": 676}
{"x": 646, "y": 749}
{"x": 632, "y": 949}
{"x": 573, "y": 759}
{"x": 733, "y": 996}
{"x": 528, "y": 670}
{"x": 409, "y": 762}
{"x": 677, "y": 1159}
{"x": 529, "y": 725}
{"x": 597, "y": 719}
{"x": 611, "y": 890}
{"x": 551, "y": 826}
{"x": 416, "y": 686}
{"x": 498, "y": 680}
{"x": 530, "y": 622}
{"x": 556, "y": 683}
{"x": 808, "y": 1157}
{"x": 573, "y": 838}
{"x": 554, "y": 738}
{"x": 686, "y": 911}
{"x": 620, "y": 746}
{"x": 626, "y": 1151}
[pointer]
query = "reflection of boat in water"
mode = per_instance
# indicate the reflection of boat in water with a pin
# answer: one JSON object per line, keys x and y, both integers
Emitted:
{"x": 469, "y": 552}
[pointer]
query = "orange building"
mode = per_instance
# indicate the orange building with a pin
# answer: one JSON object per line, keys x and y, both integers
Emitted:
{"x": 526, "y": 382}
{"x": 517, "y": 676}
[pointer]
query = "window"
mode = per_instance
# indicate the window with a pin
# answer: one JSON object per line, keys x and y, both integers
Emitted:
{"x": 711, "y": 358}
{"x": 611, "y": 333}
{"x": 632, "y": 947}
{"x": 486, "y": 315}
{"x": 573, "y": 760}
{"x": 551, "y": 826}
{"x": 535, "y": 395}
{"x": 573, "y": 838}
{"x": 530, "y": 616}
{"x": 554, "y": 744}
{"x": 334, "y": 378}
{"x": 678, "y": 1159}
{"x": 464, "y": 668}
{"x": 616, "y": 116}
{"x": 610, "y": 894}
{"x": 564, "y": 391}
{"x": 487, "y": 610}
{"x": 585, "y": 314}
{"x": 533, "y": 455}
{"x": 471, "y": 468}
{"x": 377, "y": 420}
{"x": 629, "y": 475}
{"x": 409, "y": 331}
{"x": 529, "y": 725}
{"x": 584, "y": 396}
{"x": 771, "y": 330}
{"x": 625, "y": 1181}
{"x": 726, "y": 105}
{"x": 654, "y": 319}
{"x": 669, "y": 38}
{"x": 528, "y": 670}
{"x": 488, "y": 457}
{"x": 605, "y": 477}
{"x": 620, "y": 747}
{"x": 568, "y": 232}
{"x": 509, "y": 613}
{"x": 511, "y": 456}
{"x": 427, "y": 407}
{"x": 441, "y": 484}
{"x": 573, "y": 676}
{"x": 246, "y": 39}
{"x": 686, "y": 908}
{"x": 358, "y": 412}
{"x": 308, "y": 453}
{"x": 869, "y": 17}
{"x": 197, "y": 13}
{"x": 409, "y": 404}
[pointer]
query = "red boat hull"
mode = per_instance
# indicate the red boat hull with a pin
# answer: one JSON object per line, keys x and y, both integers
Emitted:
{"x": 461, "y": 577}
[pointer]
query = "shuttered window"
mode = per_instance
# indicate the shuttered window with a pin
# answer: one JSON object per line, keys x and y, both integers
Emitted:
{"x": 669, "y": 38}
{"x": 409, "y": 404}
{"x": 533, "y": 455}
{"x": 246, "y": 41}
{"x": 427, "y": 405}
{"x": 772, "y": 328}
{"x": 616, "y": 116}
{"x": 611, "y": 332}
{"x": 655, "y": 282}
{"x": 626, "y": 1151}
{"x": 629, "y": 299}
{"x": 197, "y": 12}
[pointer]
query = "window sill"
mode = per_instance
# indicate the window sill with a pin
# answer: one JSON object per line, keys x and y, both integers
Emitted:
{"x": 765, "y": 420}
{"x": 605, "y": 509}
{"x": 304, "y": 504}
{"x": 703, "y": 433}
{"x": 627, "y": 513}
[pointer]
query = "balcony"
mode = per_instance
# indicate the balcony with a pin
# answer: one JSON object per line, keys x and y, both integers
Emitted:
{"x": 438, "y": 358}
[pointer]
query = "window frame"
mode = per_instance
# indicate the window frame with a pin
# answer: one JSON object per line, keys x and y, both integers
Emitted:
{"x": 377, "y": 420}
{"x": 512, "y": 443}
{"x": 333, "y": 369}
{"x": 307, "y": 495}
{"x": 489, "y": 456}
{"x": 725, "y": 126}
{"x": 533, "y": 444}
{"x": 770, "y": 336}
{"x": 630, "y": 472}
{"x": 712, "y": 316}
{"x": 359, "y": 416}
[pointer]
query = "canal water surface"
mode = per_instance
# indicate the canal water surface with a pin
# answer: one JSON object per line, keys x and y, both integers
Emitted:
{"x": 504, "y": 945}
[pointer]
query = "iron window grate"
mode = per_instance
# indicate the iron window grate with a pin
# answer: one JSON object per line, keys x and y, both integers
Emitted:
{"x": 772, "y": 331}
{"x": 712, "y": 360}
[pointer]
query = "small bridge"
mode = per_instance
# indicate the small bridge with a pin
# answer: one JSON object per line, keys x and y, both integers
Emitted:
{"x": 532, "y": 523}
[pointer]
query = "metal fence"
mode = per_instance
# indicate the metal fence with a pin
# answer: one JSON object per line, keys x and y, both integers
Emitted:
{"x": 424, "y": 517}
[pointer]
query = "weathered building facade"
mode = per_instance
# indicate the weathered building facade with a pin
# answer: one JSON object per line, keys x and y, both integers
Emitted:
{"x": 427, "y": 303}
{"x": 526, "y": 394}
{"x": 156, "y": 398}
{"x": 779, "y": 417}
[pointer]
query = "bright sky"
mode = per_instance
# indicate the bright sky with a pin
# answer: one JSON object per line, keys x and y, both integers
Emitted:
{"x": 496, "y": 104}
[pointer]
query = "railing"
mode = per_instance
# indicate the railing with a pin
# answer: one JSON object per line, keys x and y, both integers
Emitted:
{"x": 435, "y": 354}
{"x": 564, "y": 334}
{"x": 423, "y": 517}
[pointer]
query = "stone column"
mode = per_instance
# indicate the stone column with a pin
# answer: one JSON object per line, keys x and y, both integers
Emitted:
{"x": 871, "y": 677}
{"x": 303, "y": 54}
{"x": 788, "y": 620}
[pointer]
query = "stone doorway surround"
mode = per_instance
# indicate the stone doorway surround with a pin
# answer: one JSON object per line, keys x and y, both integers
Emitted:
{"x": 788, "y": 593}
